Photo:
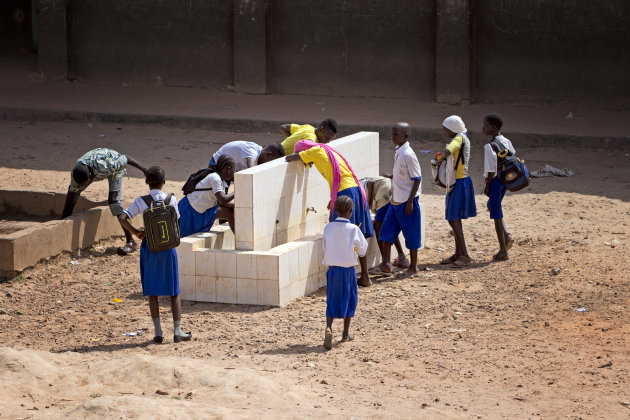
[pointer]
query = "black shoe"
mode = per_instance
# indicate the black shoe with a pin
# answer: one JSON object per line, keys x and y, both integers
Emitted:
{"x": 158, "y": 339}
{"x": 127, "y": 249}
{"x": 185, "y": 337}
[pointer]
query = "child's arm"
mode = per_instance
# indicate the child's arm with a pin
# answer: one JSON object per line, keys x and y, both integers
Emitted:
{"x": 249, "y": 162}
{"x": 124, "y": 222}
{"x": 486, "y": 187}
{"x": 369, "y": 192}
{"x": 131, "y": 161}
{"x": 71, "y": 200}
{"x": 360, "y": 243}
{"x": 285, "y": 129}
{"x": 293, "y": 158}
{"x": 226, "y": 200}
{"x": 412, "y": 195}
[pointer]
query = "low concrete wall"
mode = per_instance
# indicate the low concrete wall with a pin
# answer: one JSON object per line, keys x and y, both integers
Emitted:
{"x": 25, "y": 248}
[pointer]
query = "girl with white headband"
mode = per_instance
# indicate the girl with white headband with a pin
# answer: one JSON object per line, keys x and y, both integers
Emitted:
{"x": 460, "y": 201}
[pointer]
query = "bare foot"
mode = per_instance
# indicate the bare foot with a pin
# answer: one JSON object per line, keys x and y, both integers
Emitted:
{"x": 450, "y": 259}
{"x": 364, "y": 281}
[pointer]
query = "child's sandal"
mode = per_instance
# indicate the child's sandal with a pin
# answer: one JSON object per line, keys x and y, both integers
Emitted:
{"x": 348, "y": 337}
{"x": 328, "y": 339}
{"x": 186, "y": 337}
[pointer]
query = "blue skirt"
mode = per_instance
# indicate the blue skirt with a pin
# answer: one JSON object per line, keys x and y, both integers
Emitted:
{"x": 191, "y": 221}
{"x": 158, "y": 272}
{"x": 460, "y": 202}
{"x": 341, "y": 292}
{"x": 361, "y": 215}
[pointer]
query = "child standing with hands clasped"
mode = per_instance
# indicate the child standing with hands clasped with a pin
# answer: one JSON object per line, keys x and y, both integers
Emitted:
{"x": 158, "y": 270}
{"x": 341, "y": 239}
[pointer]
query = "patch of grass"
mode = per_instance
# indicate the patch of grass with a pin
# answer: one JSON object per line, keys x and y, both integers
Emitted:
{"x": 17, "y": 279}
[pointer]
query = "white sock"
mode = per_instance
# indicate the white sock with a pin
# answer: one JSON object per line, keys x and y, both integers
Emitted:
{"x": 177, "y": 328}
{"x": 158, "y": 327}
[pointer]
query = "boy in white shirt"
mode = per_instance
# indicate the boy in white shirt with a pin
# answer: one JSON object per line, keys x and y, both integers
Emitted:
{"x": 404, "y": 213}
{"x": 494, "y": 188}
{"x": 247, "y": 154}
{"x": 342, "y": 242}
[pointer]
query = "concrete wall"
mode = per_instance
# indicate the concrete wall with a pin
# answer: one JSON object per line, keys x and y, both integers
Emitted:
{"x": 159, "y": 41}
{"x": 453, "y": 51}
{"x": 353, "y": 48}
{"x": 551, "y": 50}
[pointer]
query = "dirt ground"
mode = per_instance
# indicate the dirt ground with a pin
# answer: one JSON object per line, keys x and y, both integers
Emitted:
{"x": 545, "y": 334}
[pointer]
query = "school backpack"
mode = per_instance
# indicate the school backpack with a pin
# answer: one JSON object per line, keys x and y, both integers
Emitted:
{"x": 194, "y": 179}
{"x": 512, "y": 171}
{"x": 161, "y": 227}
{"x": 444, "y": 171}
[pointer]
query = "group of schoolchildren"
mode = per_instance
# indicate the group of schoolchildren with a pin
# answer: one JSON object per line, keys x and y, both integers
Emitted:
{"x": 394, "y": 198}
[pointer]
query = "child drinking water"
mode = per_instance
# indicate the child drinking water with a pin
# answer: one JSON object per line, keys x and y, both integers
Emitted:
{"x": 341, "y": 239}
{"x": 158, "y": 270}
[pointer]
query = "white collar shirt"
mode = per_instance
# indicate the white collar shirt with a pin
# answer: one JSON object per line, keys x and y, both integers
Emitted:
{"x": 240, "y": 151}
{"x": 406, "y": 172}
{"x": 201, "y": 201}
{"x": 139, "y": 206}
{"x": 341, "y": 238}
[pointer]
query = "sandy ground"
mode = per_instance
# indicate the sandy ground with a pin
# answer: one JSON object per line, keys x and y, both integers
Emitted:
{"x": 491, "y": 340}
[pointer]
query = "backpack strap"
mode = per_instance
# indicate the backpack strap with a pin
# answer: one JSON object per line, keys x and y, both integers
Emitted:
{"x": 148, "y": 200}
{"x": 460, "y": 157}
{"x": 167, "y": 201}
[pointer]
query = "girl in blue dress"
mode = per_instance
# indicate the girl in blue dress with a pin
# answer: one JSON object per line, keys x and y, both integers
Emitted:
{"x": 342, "y": 242}
{"x": 158, "y": 270}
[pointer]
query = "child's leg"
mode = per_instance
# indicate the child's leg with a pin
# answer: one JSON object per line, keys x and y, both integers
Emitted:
{"x": 176, "y": 308}
{"x": 365, "y": 277}
{"x": 328, "y": 335}
{"x": 413, "y": 265}
{"x": 400, "y": 250}
{"x": 226, "y": 213}
{"x": 377, "y": 232}
{"x": 460, "y": 243}
{"x": 386, "y": 265}
{"x": 154, "y": 307}
{"x": 346, "y": 330}
{"x": 500, "y": 228}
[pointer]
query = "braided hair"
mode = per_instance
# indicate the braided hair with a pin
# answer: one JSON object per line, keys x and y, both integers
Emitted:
{"x": 223, "y": 162}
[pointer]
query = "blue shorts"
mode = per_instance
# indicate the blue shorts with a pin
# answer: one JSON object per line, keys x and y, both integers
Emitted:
{"x": 191, "y": 221}
{"x": 396, "y": 220}
{"x": 379, "y": 216}
{"x": 495, "y": 197}
{"x": 361, "y": 215}
{"x": 460, "y": 202}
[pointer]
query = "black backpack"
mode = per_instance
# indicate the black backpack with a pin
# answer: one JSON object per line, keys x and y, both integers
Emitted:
{"x": 194, "y": 179}
{"x": 512, "y": 171}
{"x": 161, "y": 227}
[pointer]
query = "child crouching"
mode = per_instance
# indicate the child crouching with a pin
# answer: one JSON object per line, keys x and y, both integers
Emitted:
{"x": 158, "y": 270}
{"x": 341, "y": 239}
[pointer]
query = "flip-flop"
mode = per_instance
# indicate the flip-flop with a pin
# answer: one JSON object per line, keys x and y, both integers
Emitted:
{"x": 509, "y": 241}
{"x": 328, "y": 337}
{"x": 348, "y": 337}
{"x": 378, "y": 270}
{"x": 500, "y": 256}
{"x": 186, "y": 337}
{"x": 462, "y": 261}
{"x": 397, "y": 263}
{"x": 128, "y": 248}
{"x": 450, "y": 260}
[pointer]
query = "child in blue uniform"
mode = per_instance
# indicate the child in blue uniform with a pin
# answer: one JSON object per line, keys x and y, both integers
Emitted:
{"x": 158, "y": 270}
{"x": 200, "y": 208}
{"x": 494, "y": 188}
{"x": 404, "y": 213}
{"x": 341, "y": 239}
{"x": 460, "y": 201}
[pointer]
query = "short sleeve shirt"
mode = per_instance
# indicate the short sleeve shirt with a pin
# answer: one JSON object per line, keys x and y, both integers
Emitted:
{"x": 201, "y": 201}
{"x": 490, "y": 157}
{"x": 298, "y": 133}
{"x": 240, "y": 151}
{"x": 406, "y": 173}
{"x": 139, "y": 206}
{"x": 105, "y": 163}
{"x": 458, "y": 143}
{"x": 381, "y": 193}
{"x": 319, "y": 157}
{"x": 341, "y": 239}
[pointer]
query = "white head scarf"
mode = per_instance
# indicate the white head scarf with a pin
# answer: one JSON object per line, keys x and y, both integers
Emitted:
{"x": 455, "y": 124}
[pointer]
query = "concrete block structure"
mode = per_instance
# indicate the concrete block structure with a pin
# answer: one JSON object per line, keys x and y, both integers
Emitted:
{"x": 24, "y": 248}
{"x": 276, "y": 254}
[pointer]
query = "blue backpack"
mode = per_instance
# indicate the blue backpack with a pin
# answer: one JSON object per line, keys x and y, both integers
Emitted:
{"x": 511, "y": 170}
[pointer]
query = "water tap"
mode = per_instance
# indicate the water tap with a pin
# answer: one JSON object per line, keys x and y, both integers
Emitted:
{"x": 311, "y": 209}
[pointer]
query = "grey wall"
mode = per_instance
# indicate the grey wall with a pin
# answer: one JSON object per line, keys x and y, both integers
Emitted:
{"x": 452, "y": 51}
{"x": 540, "y": 50}
{"x": 181, "y": 42}
{"x": 353, "y": 48}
